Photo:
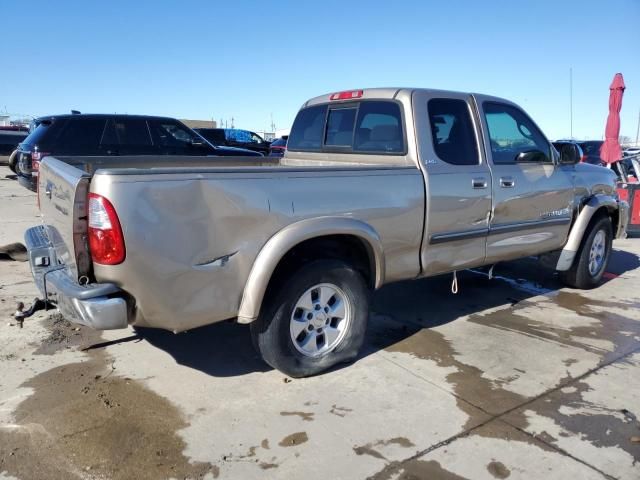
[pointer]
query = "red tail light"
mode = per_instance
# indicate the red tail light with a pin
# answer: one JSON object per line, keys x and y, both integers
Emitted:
{"x": 106, "y": 241}
{"x": 346, "y": 95}
{"x": 36, "y": 158}
{"x": 583, "y": 159}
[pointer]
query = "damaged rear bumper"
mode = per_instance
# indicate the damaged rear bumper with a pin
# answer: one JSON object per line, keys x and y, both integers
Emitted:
{"x": 100, "y": 305}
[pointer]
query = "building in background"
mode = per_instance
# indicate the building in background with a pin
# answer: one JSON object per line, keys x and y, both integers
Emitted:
{"x": 199, "y": 123}
{"x": 4, "y": 120}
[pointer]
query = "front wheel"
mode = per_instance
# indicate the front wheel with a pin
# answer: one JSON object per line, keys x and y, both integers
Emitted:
{"x": 315, "y": 320}
{"x": 592, "y": 257}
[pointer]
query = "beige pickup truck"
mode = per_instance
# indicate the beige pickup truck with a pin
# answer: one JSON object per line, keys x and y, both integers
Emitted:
{"x": 376, "y": 186}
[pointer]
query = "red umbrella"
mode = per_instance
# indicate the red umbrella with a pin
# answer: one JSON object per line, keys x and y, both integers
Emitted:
{"x": 610, "y": 151}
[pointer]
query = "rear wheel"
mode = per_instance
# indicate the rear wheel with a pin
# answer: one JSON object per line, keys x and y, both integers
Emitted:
{"x": 592, "y": 257}
{"x": 315, "y": 320}
{"x": 13, "y": 160}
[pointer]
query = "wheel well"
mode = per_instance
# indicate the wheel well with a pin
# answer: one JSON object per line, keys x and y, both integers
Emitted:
{"x": 348, "y": 248}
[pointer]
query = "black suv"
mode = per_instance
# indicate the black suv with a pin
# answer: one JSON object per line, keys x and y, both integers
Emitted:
{"x": 105, "y": 134}
{"x": 235, "y": 137}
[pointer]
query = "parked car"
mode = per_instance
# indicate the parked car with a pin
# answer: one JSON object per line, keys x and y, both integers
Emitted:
{"x": 10, "y": 137}
{"x": 110, "y": 135}
{"x": 376, "y": 186}
{"x": 235, "y": 137}
{"x": 278, "y": 147}
{"x": 591, "y": 149}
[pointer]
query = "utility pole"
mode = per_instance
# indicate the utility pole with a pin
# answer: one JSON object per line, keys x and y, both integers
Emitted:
{"x": 571, "y": 101}
{"x": 638, "y": 129}
{"x": 232, "y": 123}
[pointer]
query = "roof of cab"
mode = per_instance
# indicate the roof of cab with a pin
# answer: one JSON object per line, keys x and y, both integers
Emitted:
{"x": 388, "y": 93}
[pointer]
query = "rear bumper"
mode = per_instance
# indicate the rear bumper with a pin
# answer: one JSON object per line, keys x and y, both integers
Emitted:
{"x": 100, "y": 305}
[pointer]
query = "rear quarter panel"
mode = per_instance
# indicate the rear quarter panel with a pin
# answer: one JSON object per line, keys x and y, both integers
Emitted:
{"x": 179, "y": 230}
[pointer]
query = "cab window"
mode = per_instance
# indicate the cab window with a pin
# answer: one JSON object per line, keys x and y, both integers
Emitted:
{"x": 454, "y": 139}
{"x": 511, "y": 133}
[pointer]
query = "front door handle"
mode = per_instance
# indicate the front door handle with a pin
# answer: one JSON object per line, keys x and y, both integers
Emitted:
{"x": 507, "y": 182}
{"x": 479, "y": 182}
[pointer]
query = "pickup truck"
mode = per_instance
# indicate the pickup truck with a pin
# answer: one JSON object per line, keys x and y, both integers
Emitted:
{"x": 376, "y": 186}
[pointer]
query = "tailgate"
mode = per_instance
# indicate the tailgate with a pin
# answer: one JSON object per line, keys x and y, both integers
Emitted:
{"x": 62, "y": 194}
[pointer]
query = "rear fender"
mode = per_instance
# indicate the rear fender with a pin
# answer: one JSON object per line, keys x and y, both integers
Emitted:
{"x": 283, "y": 241}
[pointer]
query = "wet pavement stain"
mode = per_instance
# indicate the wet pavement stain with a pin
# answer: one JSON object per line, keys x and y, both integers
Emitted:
{"x": 294, "y": 439}
{"x": 306, "y": 416}
{"x": 369, "y": 448}
{"x": 340, "y": 411}
{"x": 64, "y": 334}
{"x": 471, "y": 388}
{"x": 416, "y": 470}
{"x": 498, "y": 470}
{"x": 82, "y": 421}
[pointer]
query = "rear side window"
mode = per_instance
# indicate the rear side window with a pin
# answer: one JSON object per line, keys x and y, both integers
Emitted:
{"x": 81, "y": 136}
{"x": 44, "y": 133}
{"x": 364, "y": 127}
{"x": 131, "y": 133}
{"x": 454, "y": 140}
{"x": 308, "y": 128}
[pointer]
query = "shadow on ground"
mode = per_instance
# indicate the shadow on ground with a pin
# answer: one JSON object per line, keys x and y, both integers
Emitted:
{"x": 224, "y": 349}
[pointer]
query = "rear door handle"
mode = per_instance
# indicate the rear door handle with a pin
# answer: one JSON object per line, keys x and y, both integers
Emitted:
{"x": 479, "y": 183}
{"x": 507, "y": 182}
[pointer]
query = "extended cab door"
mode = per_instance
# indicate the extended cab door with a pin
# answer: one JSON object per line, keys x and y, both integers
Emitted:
{"x": 457, "y": 179}
{"x": 532, "y": 193}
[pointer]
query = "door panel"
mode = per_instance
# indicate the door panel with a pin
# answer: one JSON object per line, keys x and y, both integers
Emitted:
{"x": 458, "y": 182}
{"x": 533, "y": 201}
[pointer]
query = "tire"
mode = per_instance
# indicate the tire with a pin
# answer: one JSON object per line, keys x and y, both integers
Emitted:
{"x": 291, "y": 341}
{"x": 583, "y": 274}
{"x": 13, "y": 160}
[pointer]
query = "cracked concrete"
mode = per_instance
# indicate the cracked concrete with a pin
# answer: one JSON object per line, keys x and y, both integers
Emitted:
{"x": 515, "y": 377}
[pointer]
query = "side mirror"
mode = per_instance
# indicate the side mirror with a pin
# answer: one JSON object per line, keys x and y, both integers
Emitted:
{"x": 532, "y": 156}
{"x": 569, "y": 154}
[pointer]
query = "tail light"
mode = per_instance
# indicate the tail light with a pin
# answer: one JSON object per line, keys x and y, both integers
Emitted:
{"x": 106, "y": 242}
{"x": 36, "y": 158}
{"x": 583, "y": 159}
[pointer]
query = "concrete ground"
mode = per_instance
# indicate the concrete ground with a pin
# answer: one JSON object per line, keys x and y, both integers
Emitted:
{"x": 513, "y": 377}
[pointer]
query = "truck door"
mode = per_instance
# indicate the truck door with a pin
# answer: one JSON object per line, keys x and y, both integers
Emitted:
{"x": 457, "y": 180}
{"x": 532, "y": 192}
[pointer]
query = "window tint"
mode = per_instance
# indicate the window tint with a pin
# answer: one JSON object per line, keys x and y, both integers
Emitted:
{"x": 512, "y": 133}
{"x": 214, "y": 135}
{"x": 340, "y": 127}
{"x": 454, "y": 140}
{"x": 379, "y": 128}
{"x": 307, "y": 130}
{"x": 176, "y": 139}
{"x": 44, "y": 133}
{"x": 81, "y": 136}
{"x": 126, "y": 132}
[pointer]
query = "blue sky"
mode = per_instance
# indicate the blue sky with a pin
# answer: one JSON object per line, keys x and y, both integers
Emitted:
{"x": 209, "y": 59}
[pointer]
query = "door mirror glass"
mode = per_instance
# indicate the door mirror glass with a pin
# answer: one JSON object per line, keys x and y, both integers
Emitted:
{"x": 531, "y": 156}
{"x": 569, "y": 154}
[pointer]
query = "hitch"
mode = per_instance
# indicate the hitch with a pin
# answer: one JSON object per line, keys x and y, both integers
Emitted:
{"x": 37, "y": 305}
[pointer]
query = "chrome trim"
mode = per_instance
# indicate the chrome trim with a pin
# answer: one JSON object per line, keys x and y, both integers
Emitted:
{"x": 516, "y": 227}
